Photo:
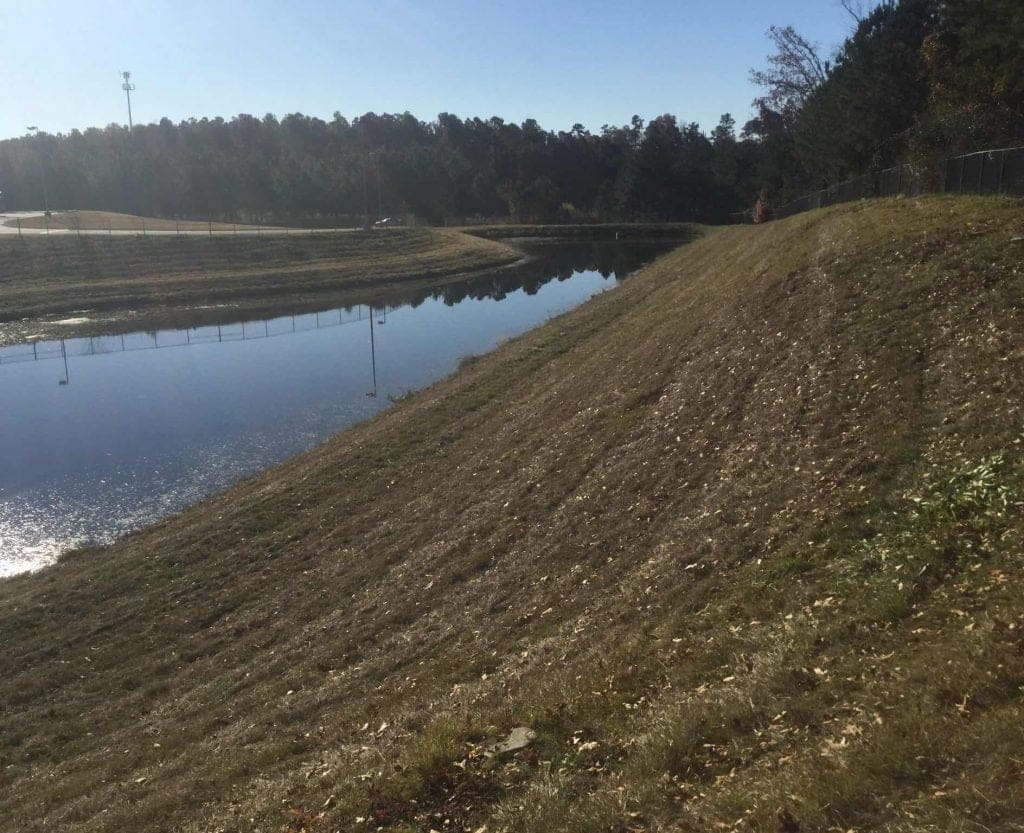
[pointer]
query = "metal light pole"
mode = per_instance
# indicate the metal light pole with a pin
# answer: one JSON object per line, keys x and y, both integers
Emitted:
{"x": 376, "y": 175}
{"x": 128, "y": 88}
{"x": 42, "y": 170}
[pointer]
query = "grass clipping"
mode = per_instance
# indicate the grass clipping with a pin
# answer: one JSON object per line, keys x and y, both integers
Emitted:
{"x": 736, "y": 547}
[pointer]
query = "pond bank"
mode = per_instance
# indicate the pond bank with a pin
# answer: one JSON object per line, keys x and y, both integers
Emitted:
{"x": 104, "y": 434}
{"x": 123, "y": 283}
{"x": 672, "y": 534}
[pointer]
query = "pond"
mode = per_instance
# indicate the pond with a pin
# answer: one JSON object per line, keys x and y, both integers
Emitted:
{"x": 102, "y": 435}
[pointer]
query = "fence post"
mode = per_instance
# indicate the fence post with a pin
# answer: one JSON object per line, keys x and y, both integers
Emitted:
{"x": 981, "y": 172}
{"x": 1002, "y": 168}
{"x": 960, "y": 187}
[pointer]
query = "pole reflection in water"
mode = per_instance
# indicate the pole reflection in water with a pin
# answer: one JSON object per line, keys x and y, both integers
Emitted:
{"x": 373, "y": 358}
{"x": 64, "y": 352}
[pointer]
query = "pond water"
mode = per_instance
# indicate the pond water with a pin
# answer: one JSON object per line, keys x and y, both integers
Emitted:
{"x": 99, "y": 436}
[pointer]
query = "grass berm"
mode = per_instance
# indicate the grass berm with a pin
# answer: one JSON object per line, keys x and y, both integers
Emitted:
{"x": 115, "y": 221}
{"x": 740, "y": 541}
{"x": 135, "y": 282}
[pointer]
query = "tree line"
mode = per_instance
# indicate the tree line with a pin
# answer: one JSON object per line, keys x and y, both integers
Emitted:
{"x": 916, "y": 80}
{"x": 302, "y": 167}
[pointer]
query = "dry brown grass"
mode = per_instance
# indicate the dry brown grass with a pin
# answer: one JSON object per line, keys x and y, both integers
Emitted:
{"x": 113, "y": 221}
{"x": 155, "y": 278}
{"x": 740, "y": 540}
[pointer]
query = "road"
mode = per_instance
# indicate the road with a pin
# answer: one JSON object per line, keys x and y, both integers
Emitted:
{"x": 11, "y": 216}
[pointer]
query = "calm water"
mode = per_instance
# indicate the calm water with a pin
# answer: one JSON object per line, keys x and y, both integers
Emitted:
{"x": 100, "y": 436}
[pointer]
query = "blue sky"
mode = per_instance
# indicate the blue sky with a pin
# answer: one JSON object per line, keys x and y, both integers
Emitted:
{"x": 558, "y": 61}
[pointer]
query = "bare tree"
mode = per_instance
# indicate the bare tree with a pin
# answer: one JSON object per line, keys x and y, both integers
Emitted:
{"x": 855, "y": 9}
{"x": 794, "y": 71}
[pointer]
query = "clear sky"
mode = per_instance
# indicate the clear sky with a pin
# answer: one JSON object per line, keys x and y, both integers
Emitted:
{"x": 558, "y": 61}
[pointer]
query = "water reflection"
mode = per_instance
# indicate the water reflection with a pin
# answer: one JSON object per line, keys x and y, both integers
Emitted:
{"x": 373, "y": 355}
{"x": 141, "y": 425}
{"x": 192, "y": 337}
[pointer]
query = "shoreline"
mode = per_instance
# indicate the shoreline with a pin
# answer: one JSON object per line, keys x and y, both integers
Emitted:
{"x": 85, "y": 323}
{"x": 702, "y": 525}
{"x": 61, "y": 277}
{"x": 78, "y": 287}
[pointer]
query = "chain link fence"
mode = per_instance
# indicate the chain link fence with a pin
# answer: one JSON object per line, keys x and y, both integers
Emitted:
{"x": 985, "y": 172}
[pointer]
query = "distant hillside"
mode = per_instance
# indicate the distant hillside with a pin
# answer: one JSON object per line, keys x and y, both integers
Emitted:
{"x": 739, "y": 543}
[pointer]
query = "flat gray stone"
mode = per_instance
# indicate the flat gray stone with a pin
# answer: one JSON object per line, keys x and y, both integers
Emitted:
{"x": 519, "y": 738}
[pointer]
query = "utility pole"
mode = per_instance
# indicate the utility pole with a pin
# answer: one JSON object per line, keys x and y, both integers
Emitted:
{"x": 376, "y": 175}
{"x": 42, "y": 170}
{"x": 128, "y": 88}
{"x": 367, "y": 222}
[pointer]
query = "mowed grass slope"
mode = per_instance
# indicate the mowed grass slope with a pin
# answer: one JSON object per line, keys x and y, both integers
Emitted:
{"x": 52, "y": 275}
{"x": 115, "y": 221}
{"x": 740, "y": 541}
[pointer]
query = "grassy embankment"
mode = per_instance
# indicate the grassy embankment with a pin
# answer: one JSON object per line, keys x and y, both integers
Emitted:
{"x": 590, "y": 231}
{"x": 137, "y": 282}
{"x": 114, "y": 221}
{"x": 740, "y": 541}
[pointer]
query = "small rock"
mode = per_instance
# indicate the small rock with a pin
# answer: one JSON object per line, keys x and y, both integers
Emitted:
{"x": 519, "y": 738}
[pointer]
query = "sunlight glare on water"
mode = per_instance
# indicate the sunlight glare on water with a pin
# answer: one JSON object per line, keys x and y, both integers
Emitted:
{"x": 136, "y": 427}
